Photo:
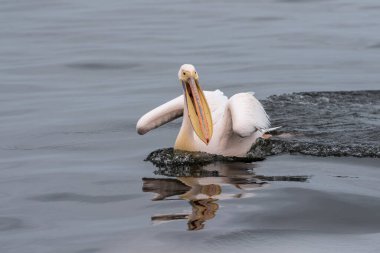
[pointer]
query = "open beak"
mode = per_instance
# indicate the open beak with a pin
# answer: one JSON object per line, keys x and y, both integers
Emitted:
{"x": 199, "y": 111}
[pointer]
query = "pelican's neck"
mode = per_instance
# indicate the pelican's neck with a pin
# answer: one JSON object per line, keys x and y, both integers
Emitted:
{"x": 185, "y": 138}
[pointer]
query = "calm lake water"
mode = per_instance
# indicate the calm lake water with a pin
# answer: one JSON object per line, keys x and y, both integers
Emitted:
{"x": 76, "y": 75}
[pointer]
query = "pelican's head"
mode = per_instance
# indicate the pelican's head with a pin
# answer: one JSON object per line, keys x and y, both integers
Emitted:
{"x": 196, "y": 103}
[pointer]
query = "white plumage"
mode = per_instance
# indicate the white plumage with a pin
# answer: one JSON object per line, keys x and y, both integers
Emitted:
{"x": 237, "y": 123}
{"x": 161, "y": 115}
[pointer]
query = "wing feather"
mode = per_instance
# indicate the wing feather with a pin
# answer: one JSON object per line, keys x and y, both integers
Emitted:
{"x": 217, "y": 102}
{"x": 161, "y": 115}
{"x": 247, "y": 114}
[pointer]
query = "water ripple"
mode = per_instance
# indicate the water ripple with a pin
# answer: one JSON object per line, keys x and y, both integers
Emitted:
{"x": 74, "y": 197}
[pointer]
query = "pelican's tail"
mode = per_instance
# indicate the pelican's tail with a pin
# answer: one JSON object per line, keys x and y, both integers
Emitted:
{"x": 268, "y": 130}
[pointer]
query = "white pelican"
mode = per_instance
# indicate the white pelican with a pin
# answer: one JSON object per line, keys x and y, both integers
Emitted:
{"x": 211, "y": 123}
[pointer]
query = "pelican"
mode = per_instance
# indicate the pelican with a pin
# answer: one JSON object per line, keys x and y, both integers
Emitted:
{"x": 211, "y": 122}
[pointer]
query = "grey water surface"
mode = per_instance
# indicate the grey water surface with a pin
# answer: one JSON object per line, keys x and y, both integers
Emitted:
{"x": 75, "y": 76}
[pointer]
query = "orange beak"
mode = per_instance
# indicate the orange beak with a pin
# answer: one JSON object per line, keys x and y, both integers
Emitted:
{"x": 199, "y": 111}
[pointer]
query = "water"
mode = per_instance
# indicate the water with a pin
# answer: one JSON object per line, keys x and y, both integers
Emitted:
{"x": 76, "y": 75}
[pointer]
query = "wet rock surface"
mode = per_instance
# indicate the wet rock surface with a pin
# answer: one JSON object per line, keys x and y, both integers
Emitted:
{"x": 343, "y": 123}
{"x": 191, "y": 161}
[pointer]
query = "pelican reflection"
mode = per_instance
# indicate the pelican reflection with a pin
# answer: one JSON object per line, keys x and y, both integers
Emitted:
{"x": 220, "y": 181}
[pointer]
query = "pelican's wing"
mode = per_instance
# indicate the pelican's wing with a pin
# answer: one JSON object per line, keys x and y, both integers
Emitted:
{"x": 247, "y": 114}
{"x": 161, "y": 115}
{"x": 217, "y": 102}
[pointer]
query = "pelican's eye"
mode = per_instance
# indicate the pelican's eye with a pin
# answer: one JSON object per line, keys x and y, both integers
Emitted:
{"x": 184, "y": 73}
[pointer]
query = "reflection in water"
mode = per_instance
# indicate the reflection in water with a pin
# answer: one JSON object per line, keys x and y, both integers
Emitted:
{"x": 203, "y": 210}
{"x": 203, "y": 187}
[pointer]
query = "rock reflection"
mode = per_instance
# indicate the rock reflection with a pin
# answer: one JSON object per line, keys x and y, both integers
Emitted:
{"x": 204, "y": 186}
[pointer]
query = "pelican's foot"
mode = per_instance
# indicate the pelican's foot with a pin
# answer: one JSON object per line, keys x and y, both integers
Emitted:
{"x": 266, "y": 136}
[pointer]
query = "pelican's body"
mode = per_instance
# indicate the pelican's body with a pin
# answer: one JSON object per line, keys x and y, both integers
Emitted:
{"x": 211, "y": 123}
{"x": 226, "y": 140}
